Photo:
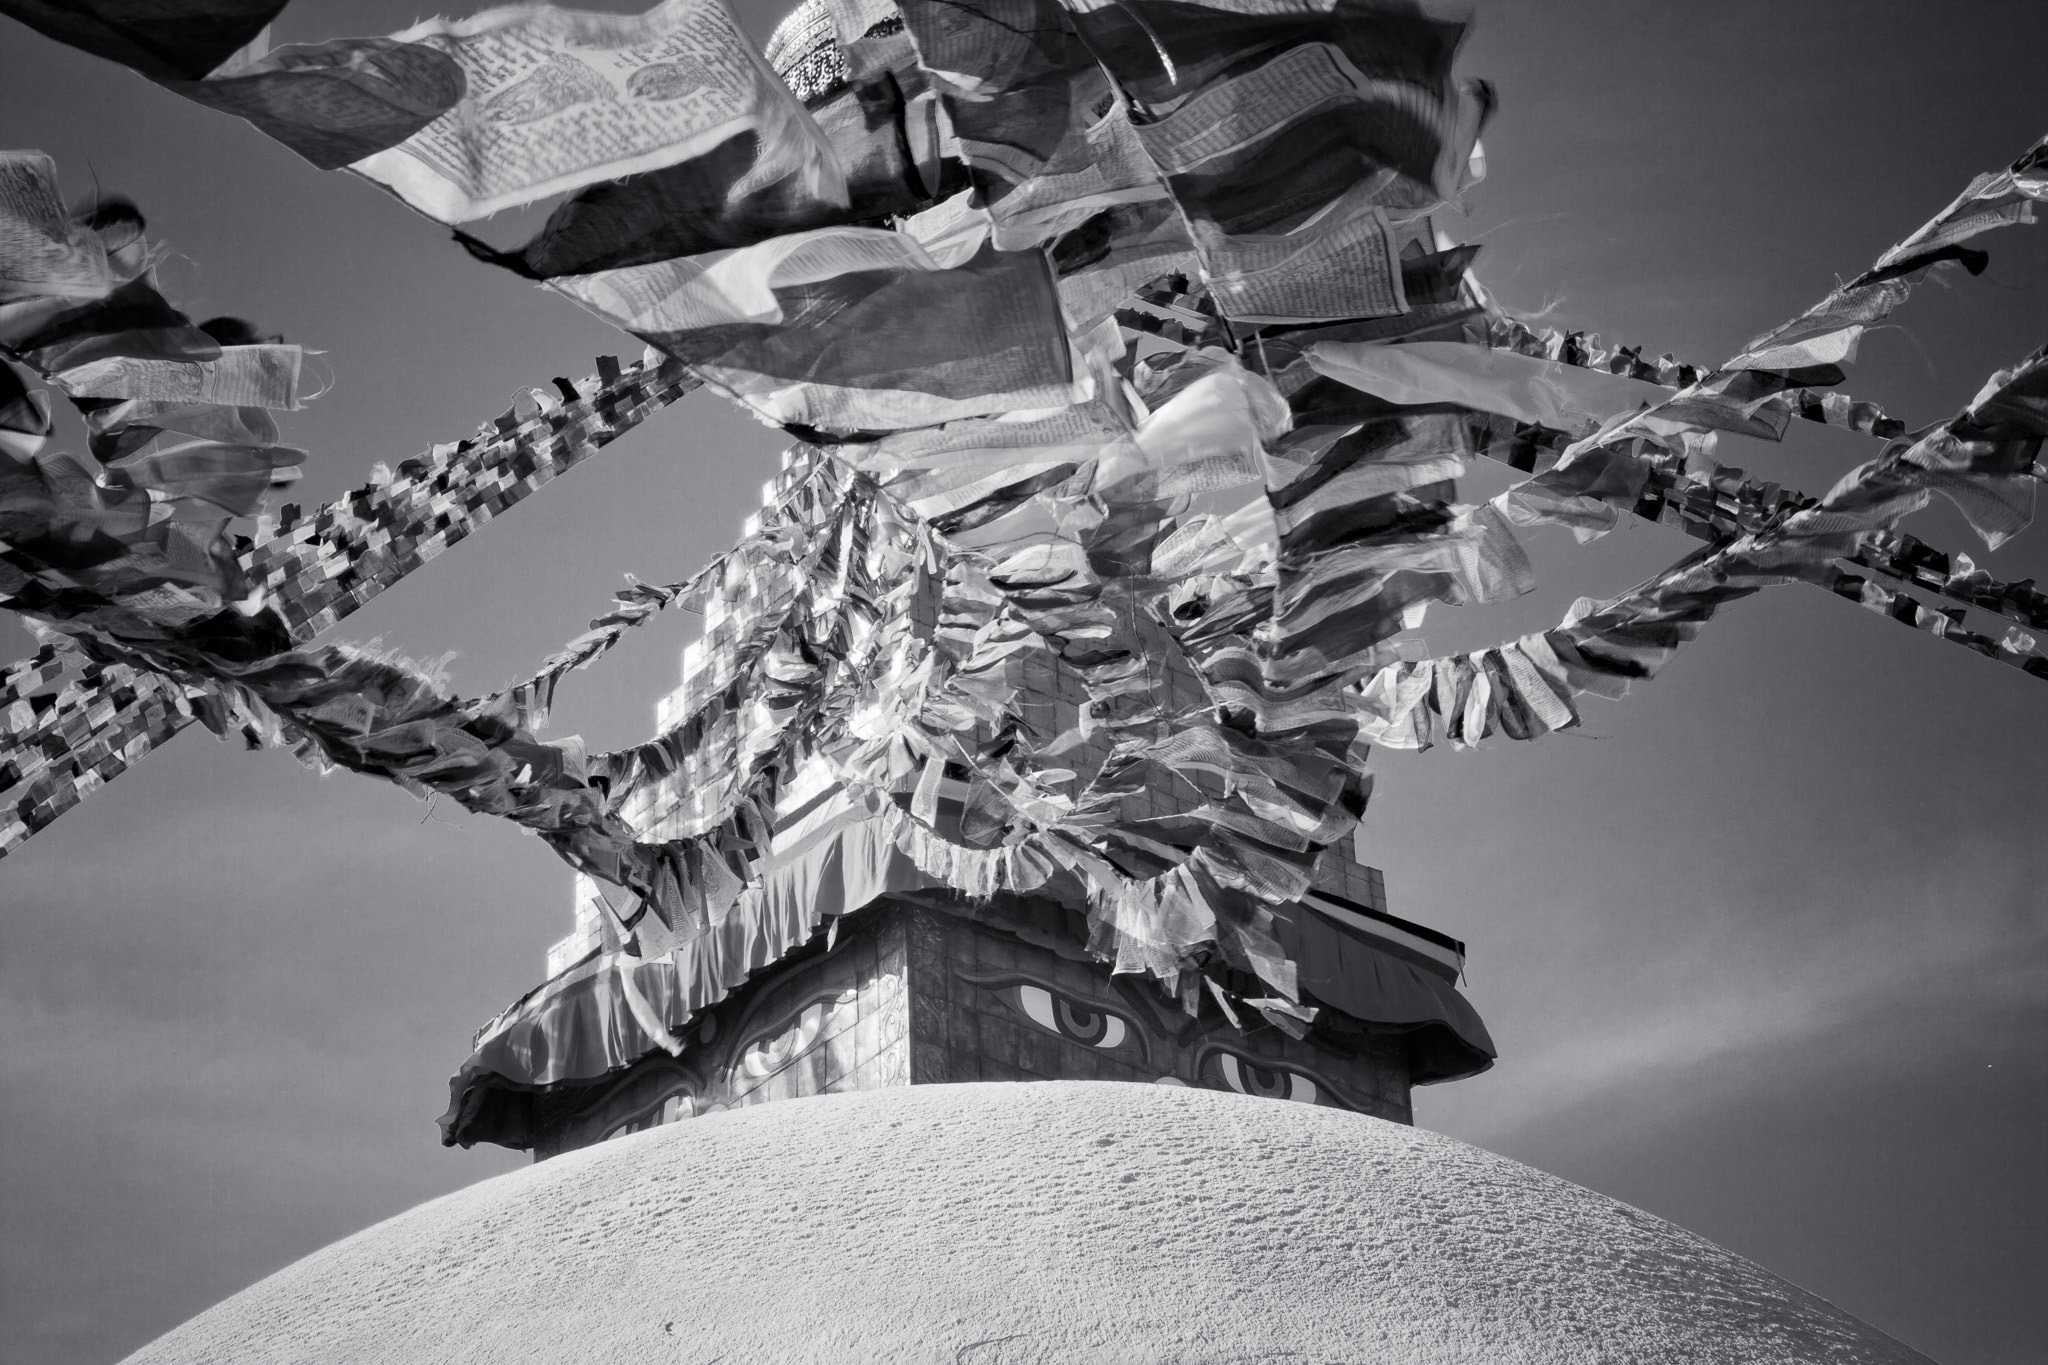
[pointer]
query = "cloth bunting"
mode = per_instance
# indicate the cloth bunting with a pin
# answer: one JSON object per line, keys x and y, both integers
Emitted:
{"x": 1585, "y": 352}
{"x": 50, "y": 256}
{"x": 1132, "y": 379}
{"x": 71, "y": 728}
{"x": 555, "y": 99}
{"x": 876, "y": 123}
{"x": 1366, "y": 535}
{"x": 462, "y": 119}
{"x": 1529, "y": 389}
{"x": 161, "y": 579}
{"x": 632, "y": 607}
{"x": 852, "y": 329}
{"x": 165, "y": 40}
{"x": 1622, "y": 465}
{"x": 2015, "y": 647}
{"x": 1058, "y": 151}
{"x": 1828, "y": 332}
{"x": 137, "y": 547}
{"x": 1517, "y": 690}
{"x": 1737, "y": 397}
{"x": 1294, "y": 139}
{"x": 321, "y": 567}
{"x": 136, "y": 564}
{"x": 1717, "y": 504}
{"x": 1599, "y": 476}
{"x": 687, "y": 149}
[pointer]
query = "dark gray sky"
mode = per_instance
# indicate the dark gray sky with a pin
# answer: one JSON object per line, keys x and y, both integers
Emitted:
{"x": 1765, "y": 945}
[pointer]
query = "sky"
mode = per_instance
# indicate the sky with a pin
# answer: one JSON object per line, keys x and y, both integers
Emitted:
{"x": 1764, "y": 945}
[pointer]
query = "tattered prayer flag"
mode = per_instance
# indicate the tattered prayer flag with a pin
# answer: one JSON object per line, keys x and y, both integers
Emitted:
{"x": 119, "y": 428}
{"x": 1099, "y": 165}
{"x": 1827, "y": 333}
{"x": 134, "y": 307}
{"x": 231, "y": 479}
{"x": 1209, "y": 436}
{"x": 851, "y": 329}
{"x": 885, "y": 126}
{"x": 265, "y": 376}
{"x": 691, "y": 208}
{"x": 24, "y": 417}
{"x": 1981, "y": 460}
{"x": 1758, "y": 393}
{"x": 339, "y": 101}
{"x": 1117, "y": 252}
{"x": 1583, "y": 351}
{"x": 1162, "y": 50}
{"x": 1057, "y": 148}
{"x": 1029, "y": 50}
{"x": 1992, "y": 200}
{"x": 1544, "y": 392}
{"x": 1366, "y": 540}
{"x": 43, "y": 253}
{"x": 686, "y": 209}
{"x": 333, "y": 102}
{"x": 165, "y": 40}
{"x": 1287, "y": 135}
{"x": 721, "y": 199}
{"x": 464, "y": 118}
{"x": 555, "y": 99}
{"x": 1339, "y": 98}
{"x": 1342, "y": 262}
{"x": 1312, "y": 507}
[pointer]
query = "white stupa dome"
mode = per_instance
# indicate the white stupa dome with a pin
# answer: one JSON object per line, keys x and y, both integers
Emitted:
{"x": 1082, "y": 1223}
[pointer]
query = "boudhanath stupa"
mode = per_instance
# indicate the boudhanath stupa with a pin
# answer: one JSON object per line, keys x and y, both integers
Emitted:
{"x": 1289, "y": 1214}
{"x": 850, "y": 967}
{"x": 856, "y": 963}
{"x": 978, "y": 965}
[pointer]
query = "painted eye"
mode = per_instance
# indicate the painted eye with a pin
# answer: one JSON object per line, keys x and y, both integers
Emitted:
{"x": 776, "y": 1046}
{"x": 769, "y": 1055}
{"x": 1076, "y": 1022}
{"x": 1266, "y": 1083}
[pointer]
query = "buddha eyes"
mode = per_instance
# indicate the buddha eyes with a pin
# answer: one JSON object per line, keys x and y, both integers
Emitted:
{"x": 1077, "y": 1021}
{"x": 1094, "y": 1024}
{"x": 777, "y": 1046}
{"x": 769, "y": 1055}
{"x": 1247, "y": 1077}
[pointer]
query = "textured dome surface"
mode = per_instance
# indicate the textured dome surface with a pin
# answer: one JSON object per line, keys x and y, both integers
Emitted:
{"x": 1072, "y": 1222}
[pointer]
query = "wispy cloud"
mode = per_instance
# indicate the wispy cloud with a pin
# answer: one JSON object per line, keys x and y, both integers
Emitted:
{"x": 1715, "y": 984}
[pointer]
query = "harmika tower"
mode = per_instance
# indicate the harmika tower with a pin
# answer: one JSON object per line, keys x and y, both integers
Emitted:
{"x": 855, "y": 959}
{"x": 854, "y": 969}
